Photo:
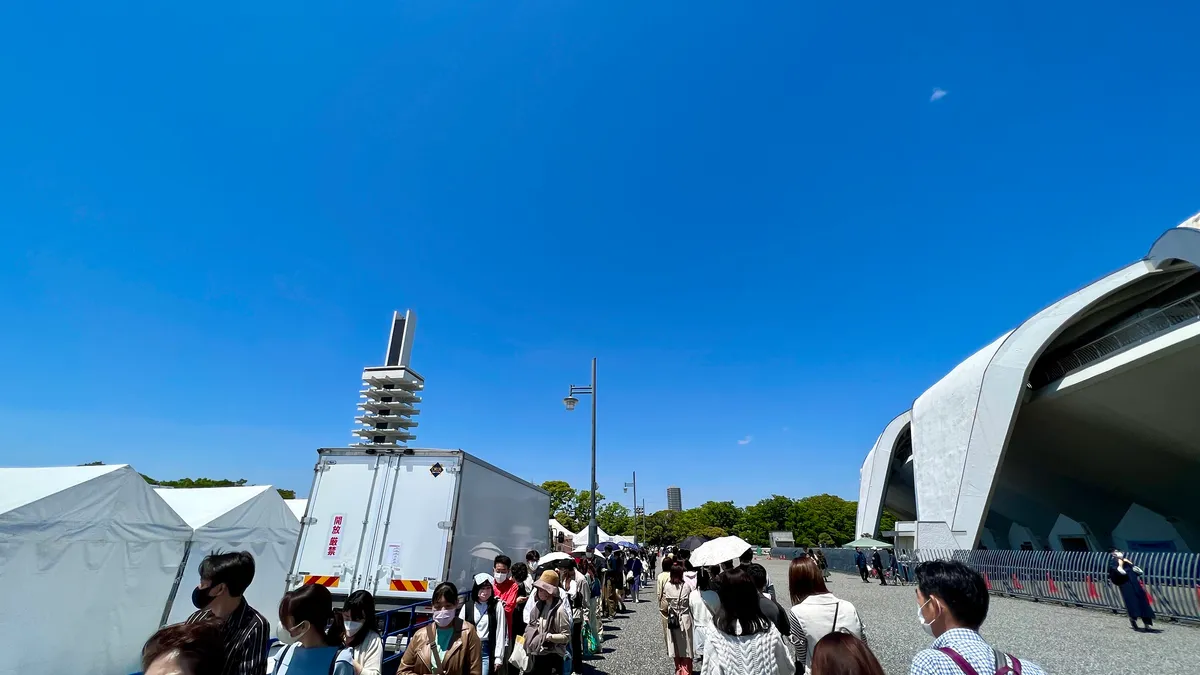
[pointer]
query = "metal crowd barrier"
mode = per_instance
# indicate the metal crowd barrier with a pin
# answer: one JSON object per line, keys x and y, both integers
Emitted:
{"x": 1170, "y": 580}
{"x": 392, "y": 617}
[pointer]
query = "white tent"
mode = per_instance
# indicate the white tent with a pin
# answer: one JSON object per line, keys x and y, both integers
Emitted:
{"x": 254, "y": 519}
{"x": 581, "y": 537}
{"x": 297, "y": 506}
{"x": 88, "y": 556}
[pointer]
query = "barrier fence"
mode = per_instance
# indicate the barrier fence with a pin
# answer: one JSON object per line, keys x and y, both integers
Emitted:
{"x": 402, "y": 622}
{"x": 1170, "y": 580}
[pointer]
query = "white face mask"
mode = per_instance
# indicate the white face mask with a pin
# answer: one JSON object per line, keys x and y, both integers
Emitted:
{"x": 501, "y": 577}
{"x": 927, "y": 627}
{"x": 287, "y": 637}
{"x": 352, "y": 627}
{"x": 443, "y": 617}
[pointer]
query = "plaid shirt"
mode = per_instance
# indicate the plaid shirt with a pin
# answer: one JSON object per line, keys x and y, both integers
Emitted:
{"x": 247, "y": 636}
{"x": 971, "y": 647}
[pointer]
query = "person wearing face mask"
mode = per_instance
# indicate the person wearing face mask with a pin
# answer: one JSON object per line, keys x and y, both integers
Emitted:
{"x": 448, "y": 645}
{"x": 313, "y": 635}
{"x": 486, "y": 613}
{"x": 224, "y": 577}
{"x": 952, "y": 603}
{"x": 549, "y": 629}
{"x": 507, "y": 590}
{"x": 362, "y": 638}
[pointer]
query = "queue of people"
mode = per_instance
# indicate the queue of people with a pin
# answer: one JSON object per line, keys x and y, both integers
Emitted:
{"x": 728, "y": 624}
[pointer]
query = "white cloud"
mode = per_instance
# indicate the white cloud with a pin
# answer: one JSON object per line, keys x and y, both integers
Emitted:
{"x": 938, "y": 94}
{"x": 746, "y": 440}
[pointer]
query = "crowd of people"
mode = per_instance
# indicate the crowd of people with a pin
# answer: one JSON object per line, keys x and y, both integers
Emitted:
{"x": 546, "y": 617}
{"x": 543, "y": 617}
{"x": 728, "y": 620}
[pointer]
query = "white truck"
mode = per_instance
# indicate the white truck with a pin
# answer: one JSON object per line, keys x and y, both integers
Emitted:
{"x": 397, "y": 521}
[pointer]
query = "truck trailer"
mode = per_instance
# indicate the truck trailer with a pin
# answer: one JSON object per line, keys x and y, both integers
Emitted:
{"x": 397, "y": 521}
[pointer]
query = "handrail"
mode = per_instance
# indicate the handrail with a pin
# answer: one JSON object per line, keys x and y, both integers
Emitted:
{"x": 408, "y": 630}
{"x": 1182, "y": 311}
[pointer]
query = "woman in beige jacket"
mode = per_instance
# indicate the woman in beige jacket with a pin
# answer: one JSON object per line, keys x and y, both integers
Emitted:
{"x": 673, "y": 599}
{"x": 549, "y": 628}
{"x": 448, "y": 645}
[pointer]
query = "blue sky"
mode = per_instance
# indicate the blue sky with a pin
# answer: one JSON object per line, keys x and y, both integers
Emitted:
{"x": 754, "y": 215}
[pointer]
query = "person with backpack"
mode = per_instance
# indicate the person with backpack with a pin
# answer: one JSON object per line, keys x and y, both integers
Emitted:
{"x": 313, "y": 634}
{"x": 952, "y": 604}
{"x": 485, "y": 611}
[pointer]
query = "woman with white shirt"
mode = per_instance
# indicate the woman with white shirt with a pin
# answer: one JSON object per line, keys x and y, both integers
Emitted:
{"x": 485, "y": 613}
{"x": 704, "y": 603}
{"x": 816, "y": 610}
{"x": 362, "y": 638}
{"x": 742, "y": 640}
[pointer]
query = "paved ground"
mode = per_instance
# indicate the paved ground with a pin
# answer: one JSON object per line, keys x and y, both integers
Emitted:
{"x": 1063, "y": 640}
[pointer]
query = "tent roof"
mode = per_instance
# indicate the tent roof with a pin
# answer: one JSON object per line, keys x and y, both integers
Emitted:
{"x": 219, "y": 508}
{"x": 297, "y": 506}
{"x": 201, "y": 506}
{"x": 85, "y": 503}
{"x": 19, "y": 487}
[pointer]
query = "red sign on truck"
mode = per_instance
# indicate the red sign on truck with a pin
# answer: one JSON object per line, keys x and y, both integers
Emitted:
{"x": 335, "y": 536}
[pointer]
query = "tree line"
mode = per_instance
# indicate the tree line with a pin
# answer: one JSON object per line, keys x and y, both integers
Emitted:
{"x": 201, "y": 482}
{"x": 819, "y": 520}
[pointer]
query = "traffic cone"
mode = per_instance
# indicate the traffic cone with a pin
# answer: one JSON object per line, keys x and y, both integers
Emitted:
{"x": 988, "y": 582}
{"x": 1050, "y": 582}
{"x": 1016, "y": 582}
{"x": 1091, "y": 586}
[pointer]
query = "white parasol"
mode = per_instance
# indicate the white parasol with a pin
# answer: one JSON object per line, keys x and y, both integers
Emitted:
{"x": 553, "y": 557}
{"x": 719, "y": 550}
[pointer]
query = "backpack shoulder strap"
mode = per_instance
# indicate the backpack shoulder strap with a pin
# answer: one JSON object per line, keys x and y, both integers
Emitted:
{"x": 279, "y": 660}
{"x": 333, "y": 662}
{"x": 1002, "y": 663}
{"x": 958, "y": 661}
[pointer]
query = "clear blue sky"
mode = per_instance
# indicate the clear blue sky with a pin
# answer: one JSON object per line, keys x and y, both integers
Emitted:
{"x": 753, "y": 214}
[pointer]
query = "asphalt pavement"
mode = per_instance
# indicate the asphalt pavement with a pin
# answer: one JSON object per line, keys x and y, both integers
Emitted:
{"x": 633, "y": 643}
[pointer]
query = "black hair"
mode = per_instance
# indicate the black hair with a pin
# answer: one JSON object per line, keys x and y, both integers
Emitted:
{"x": 235, "y": 570}
{"x": 740, "y": 608}
{"x": 666, "y": 564}
{"x": 685, "y": 555}
{"x": 361, "y": 607}
{"x": 961, "y": 589}
{"x": 759, "y": 574}
{"x": 608, "y": 548}
{"x": 747, "y": 556}
{"x": 446, "y": 592}
{"x": 568, "y": 564}
{"x": 520, "y": 571}
{"x": 703, "y": 579}
{"x": 533, "y": 555}
{"x": 492, "y": 608}
{"x": 314, "y": 603}
{"x": 503, "y": 560}
{"x": 198, "y": 647}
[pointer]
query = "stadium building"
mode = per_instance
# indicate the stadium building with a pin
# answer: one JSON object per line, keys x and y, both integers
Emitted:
{"x": 1077, "y": 430}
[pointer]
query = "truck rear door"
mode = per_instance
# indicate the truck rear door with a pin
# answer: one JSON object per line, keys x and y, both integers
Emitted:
{"x": 345, "y": 498}
{"x": 412, "y": 555}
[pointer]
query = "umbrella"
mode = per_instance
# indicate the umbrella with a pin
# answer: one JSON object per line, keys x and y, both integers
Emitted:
{"x": 867, "y": 542}
{"x": 628, "y": 544}
{"x": 693, "y": 542}
{"x": 719, "y": 550}
{"x": 582, "y": 548}
{"x": 553, "y": 557}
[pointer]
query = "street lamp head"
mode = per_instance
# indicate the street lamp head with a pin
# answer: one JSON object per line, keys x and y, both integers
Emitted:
{"x": 570, "y": 402}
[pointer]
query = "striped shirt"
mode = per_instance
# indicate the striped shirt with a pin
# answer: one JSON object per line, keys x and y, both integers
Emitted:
{"x": 971, "y": 647}
{"x": 247, "y": 636}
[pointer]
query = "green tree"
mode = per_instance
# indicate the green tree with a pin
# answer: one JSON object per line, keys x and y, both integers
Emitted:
{"x": 188, "y": 483}
{"x": 712, "y": 532}
{"x": 824, "y": 540}
{"x": 759, "y": 520}
{"x": 660, "y": 528}
{"x": 581, "y": 511}
{"x": 719, "y": 514}
{"x": 562, "y": 496}
{"x": 887, "y": 521}
{"x": 614, "y": 518}
{"x": 568, "y": 521}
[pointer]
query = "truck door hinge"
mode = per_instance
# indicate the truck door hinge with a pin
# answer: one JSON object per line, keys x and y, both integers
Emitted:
{"x": 444, "y": 524}
{"x": 308, "y": 521}
{"x": 324, "y": 465}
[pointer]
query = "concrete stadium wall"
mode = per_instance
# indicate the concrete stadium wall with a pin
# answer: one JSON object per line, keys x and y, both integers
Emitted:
{"x": 874, "y": 476}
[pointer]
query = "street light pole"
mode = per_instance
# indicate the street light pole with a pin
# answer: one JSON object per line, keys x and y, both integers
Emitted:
{"x": 570, "y": 401}
{"x": 635, "y": 502}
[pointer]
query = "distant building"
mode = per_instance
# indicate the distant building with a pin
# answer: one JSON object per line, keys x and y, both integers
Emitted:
{"x": 783, "y": 540}
{"x": 674, "y": 499}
